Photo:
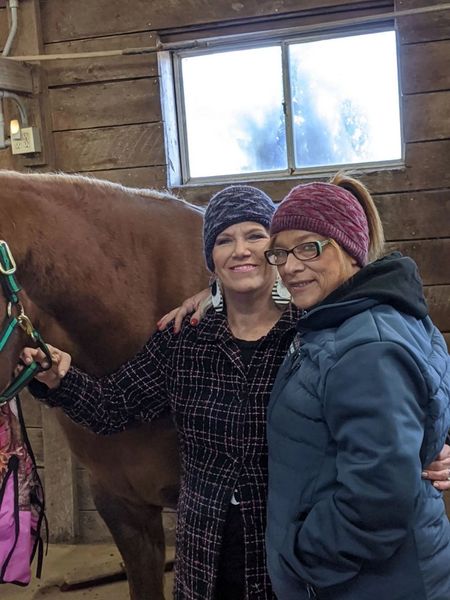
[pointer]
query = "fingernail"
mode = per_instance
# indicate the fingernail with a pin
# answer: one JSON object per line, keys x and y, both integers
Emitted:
{"x": 62, "y": 373}
{"x": 437, "y": 484}
{"x": 425, "y": 474}
{"x": 194, "y": 322}
{"x": 45, "y": 365}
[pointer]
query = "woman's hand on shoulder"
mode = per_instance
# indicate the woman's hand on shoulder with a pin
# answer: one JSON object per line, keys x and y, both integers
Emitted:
{"x": 197, "y": 304}
{"x": 438, "y": 472}
{"x": 52, "y": 377}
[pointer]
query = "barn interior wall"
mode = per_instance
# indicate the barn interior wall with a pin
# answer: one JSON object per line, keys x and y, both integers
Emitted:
{"x": 102, "y": 116}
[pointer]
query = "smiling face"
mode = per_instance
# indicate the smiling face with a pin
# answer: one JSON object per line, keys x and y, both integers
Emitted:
{"x": 311, "y": 281}
{"x": 239, "y": 261}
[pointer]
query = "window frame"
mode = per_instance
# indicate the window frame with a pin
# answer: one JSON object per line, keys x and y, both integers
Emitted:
{"x": 284, "y": 41}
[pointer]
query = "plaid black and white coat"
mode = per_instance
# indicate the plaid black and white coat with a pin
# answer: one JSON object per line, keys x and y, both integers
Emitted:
{"x": 219, "y": 408}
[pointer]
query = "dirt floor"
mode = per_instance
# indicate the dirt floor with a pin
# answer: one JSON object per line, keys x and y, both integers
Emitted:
{"x": 75, "y": 566}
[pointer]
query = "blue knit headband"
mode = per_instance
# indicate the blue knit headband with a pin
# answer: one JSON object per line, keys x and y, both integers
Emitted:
{"x": 234, "y": 204}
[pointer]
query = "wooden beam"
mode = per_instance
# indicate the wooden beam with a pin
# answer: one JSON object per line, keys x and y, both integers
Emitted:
{"x": 76, "y": 19}
{"x": 87, "y": 70}
{"x": 425, "y": 67}
{"x": 92, "y": 528}
{"x": 105, "y": 104}
{"x": 447, "y": 339}
{"x": 139, "y": 177}
{"x": 110, "y": 147}
{"x": 27, "y": 41}
{"x": 31, "y": 409}
{"x": 438, "y": 298}
{"x": 60, "y": 483}
{"x": 15, "y": 76}
{"x": 427, "y": 116}
{"x": 434, "y": 25}
{"x": 431, "y": 256}
{"x": 415, "y": 215}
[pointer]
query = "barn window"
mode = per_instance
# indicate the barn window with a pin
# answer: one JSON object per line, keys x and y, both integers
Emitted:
{"x": 288, "y": 106}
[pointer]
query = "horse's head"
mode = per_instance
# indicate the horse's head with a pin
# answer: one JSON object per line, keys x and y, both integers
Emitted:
{"x": 16, "y": 330}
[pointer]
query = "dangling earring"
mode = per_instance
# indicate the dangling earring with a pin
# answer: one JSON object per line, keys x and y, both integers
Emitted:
{"x": 280, "y": 294}
{"x": 216, "y": 296}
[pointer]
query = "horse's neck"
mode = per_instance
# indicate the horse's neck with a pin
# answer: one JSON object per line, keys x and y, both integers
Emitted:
{"x": 99, "y": 293}
{"x": 81, "y": 300}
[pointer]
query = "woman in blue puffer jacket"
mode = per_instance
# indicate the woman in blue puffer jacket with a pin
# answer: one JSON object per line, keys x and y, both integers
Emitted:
{"x": 360, "y": 404}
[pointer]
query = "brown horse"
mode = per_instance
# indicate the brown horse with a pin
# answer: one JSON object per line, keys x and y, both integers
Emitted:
{"x": 99, "y": 264}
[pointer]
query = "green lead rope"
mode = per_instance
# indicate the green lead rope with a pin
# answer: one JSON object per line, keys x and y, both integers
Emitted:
{"x": 11, "y": 289}
{"x": 10, "y": 285}
{"x": 27, "y": 374}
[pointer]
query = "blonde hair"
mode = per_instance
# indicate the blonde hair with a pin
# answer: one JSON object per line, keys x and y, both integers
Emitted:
{"x": 362, "y": 194}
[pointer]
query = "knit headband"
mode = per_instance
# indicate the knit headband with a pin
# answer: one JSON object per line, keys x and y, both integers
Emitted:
{"x": 234, "y": 204}
{"x": 327, "y": 210}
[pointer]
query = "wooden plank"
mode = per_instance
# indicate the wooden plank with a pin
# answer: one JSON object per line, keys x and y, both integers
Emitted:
{"x": 75, "y": 19}
{"x": 41, "y": 473}
{"x": 92, "y": 528}
{"x": 66, "y": 72}
{"x": 447, "y": 339}
{"x": 60, "y": 485}
{"x": 15, "y": 76}
{"x": 422, "y": 27}
{"x": 427, "y": 116}
{"x": 140, "y": 177}
{"x": 169, "y": 525}
{"x": 438, "y": 298}
{"x": 415, "y": 215}
{"x": 299, "y": 20}
{"x": 105, "y": 104}
{"x": 31, "y": 409}
{"x": 85, "y": 500}
{"x": 110, "y": 147}
{"x": 431, "y": 256}
{"x": 426, "y": 167}
{"x": 37, "y": 444}
{"x": 425, "y": 67}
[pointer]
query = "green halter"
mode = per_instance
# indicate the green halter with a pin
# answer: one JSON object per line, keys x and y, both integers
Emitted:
{"x": 17, "y": 317}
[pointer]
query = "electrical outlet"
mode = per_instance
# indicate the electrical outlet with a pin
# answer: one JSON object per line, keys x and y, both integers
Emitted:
{"x": 28, "y": 142}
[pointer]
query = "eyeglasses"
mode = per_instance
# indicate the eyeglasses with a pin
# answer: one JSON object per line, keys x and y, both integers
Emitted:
{"x": 306, "y": 251}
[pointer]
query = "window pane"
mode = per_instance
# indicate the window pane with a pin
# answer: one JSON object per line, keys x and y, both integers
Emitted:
{"x": 345, "y": 100}
{"x": 233, "y": 110}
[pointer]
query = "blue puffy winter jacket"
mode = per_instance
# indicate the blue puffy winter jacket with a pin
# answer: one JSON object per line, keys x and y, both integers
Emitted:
{"x": 360, "y": 405}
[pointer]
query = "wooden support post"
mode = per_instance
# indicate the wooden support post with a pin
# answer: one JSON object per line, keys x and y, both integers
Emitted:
{"x": 15, "y": 76}
{"x": 29, "y": 40}
{"x": 60, "y": 481}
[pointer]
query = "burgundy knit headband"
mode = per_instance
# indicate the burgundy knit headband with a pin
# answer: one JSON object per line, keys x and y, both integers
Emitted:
{"x": 327, "y": 210}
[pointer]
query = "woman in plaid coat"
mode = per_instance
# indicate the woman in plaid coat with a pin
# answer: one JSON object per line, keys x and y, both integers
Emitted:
{"x": 215, "y": 380}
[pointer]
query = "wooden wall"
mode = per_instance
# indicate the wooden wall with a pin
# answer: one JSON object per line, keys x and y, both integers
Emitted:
{"x": 103, "y": 116}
